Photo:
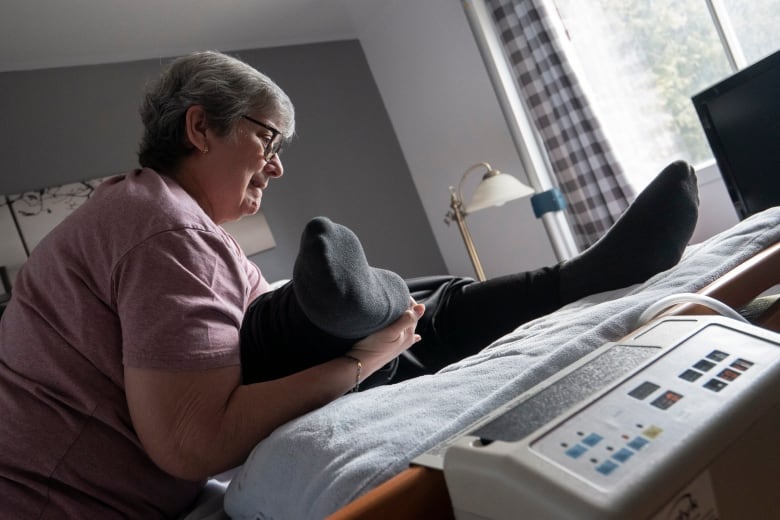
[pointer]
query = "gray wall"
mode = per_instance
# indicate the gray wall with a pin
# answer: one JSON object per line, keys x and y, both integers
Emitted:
{"x": 69, "y": 124}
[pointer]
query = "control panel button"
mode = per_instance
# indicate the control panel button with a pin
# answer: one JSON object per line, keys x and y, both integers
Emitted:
{"x": 606, "y": 467}
{"x": 717, "y": 355}
{"x": 704, "y": 365}
{"x": 592, "y": 439}
{"x": 623, "y": 455}
{"x": 644, "y": 390}
{"x": 576, "y": 451}
{"x": 690, "y": 375}
{"x": 742, "y": 364}
{"x": 728, "y": 374}
{"x": 637, "y": 443}
{"x": 666, "y": 400}
{"x": 715, "y": 385}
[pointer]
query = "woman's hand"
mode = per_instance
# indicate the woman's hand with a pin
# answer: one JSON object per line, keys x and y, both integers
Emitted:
{"x": 381, "y": 347}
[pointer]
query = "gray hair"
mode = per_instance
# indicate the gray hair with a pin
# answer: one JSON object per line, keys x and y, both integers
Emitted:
{"x": 226, "y": 88}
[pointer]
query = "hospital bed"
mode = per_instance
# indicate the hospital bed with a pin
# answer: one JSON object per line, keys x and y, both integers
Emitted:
{"x": 363, "y": 456}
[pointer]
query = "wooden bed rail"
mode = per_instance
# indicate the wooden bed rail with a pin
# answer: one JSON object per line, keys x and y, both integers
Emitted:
{"x": 416, "y": 493}
{"x": 421, "y": 493}
{"x": 741, "y": 285}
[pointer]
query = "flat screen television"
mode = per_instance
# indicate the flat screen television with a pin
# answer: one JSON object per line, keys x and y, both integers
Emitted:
{"x": 741, "y": 119}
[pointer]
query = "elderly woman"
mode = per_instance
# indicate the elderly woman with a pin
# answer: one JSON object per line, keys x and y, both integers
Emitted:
{"x": 120, "y": 379}
{"x": 119, "y": 362}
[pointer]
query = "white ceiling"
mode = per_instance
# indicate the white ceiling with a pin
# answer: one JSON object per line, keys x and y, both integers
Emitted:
{"x": 53, "y": 33}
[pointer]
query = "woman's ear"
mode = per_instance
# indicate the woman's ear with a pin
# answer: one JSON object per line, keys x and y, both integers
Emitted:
{"x": 195, "y": 128}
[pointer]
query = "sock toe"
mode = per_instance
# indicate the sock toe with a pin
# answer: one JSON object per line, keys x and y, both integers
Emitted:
{"x": 336, "y": 287}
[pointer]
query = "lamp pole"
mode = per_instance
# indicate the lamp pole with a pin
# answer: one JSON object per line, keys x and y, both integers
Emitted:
{"x": 458, "y": 214}
{"x": 494, "y": 189}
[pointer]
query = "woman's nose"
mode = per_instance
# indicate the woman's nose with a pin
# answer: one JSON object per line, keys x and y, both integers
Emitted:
{"x": 274, "y": 167}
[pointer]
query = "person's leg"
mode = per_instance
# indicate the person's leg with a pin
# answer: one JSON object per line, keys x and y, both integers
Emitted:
{"x": 463, "y": 316}
{"x": 277, "y": 339}
{"x": 336, "y": 287}
{"x": 650, "y": 237}
{"x": 334, "y": 299}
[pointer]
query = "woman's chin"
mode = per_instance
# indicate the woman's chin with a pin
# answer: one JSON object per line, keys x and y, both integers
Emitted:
{"x": 250, "y": 207}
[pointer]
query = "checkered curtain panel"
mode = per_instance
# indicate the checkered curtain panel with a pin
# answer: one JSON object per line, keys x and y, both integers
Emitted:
{"x": 586, "y": 169}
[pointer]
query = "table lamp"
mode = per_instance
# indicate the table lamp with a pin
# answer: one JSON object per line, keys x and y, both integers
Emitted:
{"x": 495, "y": 189}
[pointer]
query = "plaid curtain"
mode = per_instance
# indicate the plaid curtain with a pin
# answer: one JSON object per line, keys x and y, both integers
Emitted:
{"x": 587, "y": 172}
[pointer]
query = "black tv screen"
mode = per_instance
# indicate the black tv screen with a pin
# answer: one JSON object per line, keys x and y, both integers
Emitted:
{"x": 741, "y": 119}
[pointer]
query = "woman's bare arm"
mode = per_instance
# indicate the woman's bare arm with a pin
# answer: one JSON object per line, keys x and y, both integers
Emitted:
{"x": 194, "y": 424}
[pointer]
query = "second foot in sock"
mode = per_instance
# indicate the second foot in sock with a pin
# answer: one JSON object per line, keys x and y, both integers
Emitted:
{"x": 648, "y": 238}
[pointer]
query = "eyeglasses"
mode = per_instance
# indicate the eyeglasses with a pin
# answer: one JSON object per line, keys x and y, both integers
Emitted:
{"x": 274, "y": 145}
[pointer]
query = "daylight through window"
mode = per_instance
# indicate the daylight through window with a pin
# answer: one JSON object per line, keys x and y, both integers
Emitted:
{"x": 640, "y": 61}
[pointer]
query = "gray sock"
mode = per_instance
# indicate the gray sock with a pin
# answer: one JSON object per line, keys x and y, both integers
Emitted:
{"x": 648, "y": 238}
{"x": 337, "y": 289}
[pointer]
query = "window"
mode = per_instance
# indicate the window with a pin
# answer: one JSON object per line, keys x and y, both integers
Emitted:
{"x": 640, "y": 61}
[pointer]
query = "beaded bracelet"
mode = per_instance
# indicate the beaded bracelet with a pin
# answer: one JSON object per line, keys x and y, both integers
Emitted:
{"x": 359, "y": 366}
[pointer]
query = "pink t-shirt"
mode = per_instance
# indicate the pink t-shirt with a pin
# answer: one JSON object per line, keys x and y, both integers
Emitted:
{"x": 138, "y": 276}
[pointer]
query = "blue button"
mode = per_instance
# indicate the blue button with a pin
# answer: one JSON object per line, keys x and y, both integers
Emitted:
{"x": 623, "y": 455}
{"x": 638, "y": 443}
{"x": 576, "y": 450}
{"x": 606, "y": 467}
{"x": 592, "y": 439}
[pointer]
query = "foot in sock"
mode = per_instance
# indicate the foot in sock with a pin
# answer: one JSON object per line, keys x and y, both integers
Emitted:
{"x": 336, "y": 288}
{"x": 648, "y": 238}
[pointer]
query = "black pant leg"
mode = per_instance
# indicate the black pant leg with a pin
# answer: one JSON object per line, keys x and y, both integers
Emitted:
{"x": 463, "y": 316}
{"x": 277, "y": 339}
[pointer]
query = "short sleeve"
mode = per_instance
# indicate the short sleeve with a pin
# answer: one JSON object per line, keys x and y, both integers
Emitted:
{"x": 257, "y": 282}
{"x": 180, "y": 296}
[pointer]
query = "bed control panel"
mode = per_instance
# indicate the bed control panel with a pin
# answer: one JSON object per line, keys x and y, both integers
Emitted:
{"x": 618, "y": 452}
{"x": 646, "y": 416}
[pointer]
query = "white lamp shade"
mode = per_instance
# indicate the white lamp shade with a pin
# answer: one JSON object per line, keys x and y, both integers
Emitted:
{"x": 497, "y": 189}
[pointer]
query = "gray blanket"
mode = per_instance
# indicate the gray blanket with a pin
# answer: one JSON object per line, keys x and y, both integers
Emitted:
{"x": 317, "y": 463}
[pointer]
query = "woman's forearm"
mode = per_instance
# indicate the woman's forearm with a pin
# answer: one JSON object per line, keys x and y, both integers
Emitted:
{"x": 194, "y": 424}
{"x": 254, "y": 411}
{"x": 197, "y": 424}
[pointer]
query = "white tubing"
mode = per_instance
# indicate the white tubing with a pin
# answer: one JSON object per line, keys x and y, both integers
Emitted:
{"x": 711, "y": 303}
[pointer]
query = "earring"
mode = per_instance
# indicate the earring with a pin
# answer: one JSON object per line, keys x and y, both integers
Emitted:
{"x": 205, "y": 149}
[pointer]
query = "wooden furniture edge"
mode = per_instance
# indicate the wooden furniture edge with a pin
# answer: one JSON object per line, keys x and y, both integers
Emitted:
{"x": 420, "y": 492}
{"x": 417, "y": 492}
{"x": 742, "y": 284}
